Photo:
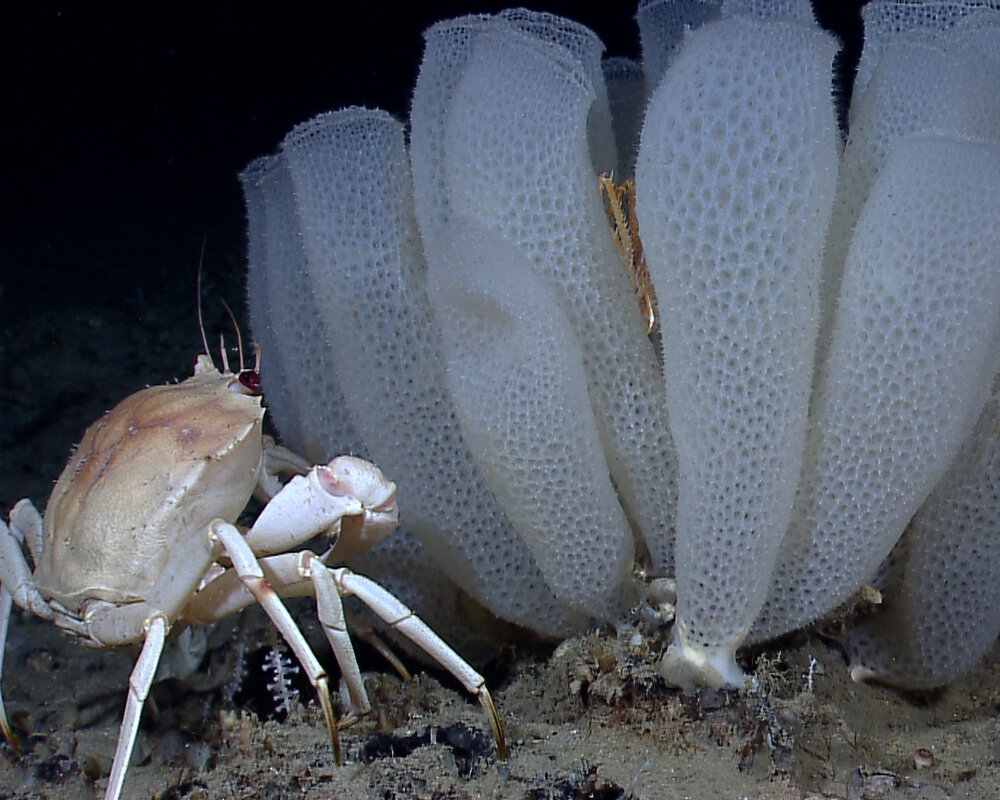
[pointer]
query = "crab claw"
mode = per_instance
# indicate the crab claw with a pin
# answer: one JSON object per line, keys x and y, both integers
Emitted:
{"x": 365, "y": 482}
{"x": 348, "y": 499}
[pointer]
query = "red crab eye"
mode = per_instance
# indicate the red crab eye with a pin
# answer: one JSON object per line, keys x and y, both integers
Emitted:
{"x": 250, "y": 381}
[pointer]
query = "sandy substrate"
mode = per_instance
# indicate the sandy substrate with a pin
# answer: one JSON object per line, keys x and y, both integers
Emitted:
{"x": 588, "y": 719}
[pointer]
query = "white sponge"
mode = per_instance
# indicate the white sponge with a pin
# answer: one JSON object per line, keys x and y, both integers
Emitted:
{"x": 926, "y": 80}
{"x": 916, "y": 343}
{"x": 799, "y": 10}
{"x": 353, "y": 197}
{"x": 285, "y": 322}
{"x": 735, "y": 179}
{"x": 943, "y": 614}
{"x": 662, "y": 26}
{"x": 541, "y": 192}
{"x": 586, "y": 48}
{"x": 886, "y": 19}
{"x": 447, "y": 47}
{"x": 258, "y": 296}
{"x": 516, "y": 376}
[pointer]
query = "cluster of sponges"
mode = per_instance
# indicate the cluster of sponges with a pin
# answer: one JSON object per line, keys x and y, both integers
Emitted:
{"x": 381, "y": 365}
{"x": 909, "y": 313}
{"x": 489, "y": 358}
{"x": 454, "y": 308}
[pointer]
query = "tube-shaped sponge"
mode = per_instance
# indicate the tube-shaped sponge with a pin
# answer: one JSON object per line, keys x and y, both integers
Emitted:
{"x": 353, "y": 195}
{"x": 286, "y": 324}
{"x": 516, "y": 159}
{"x": 516, "y": 376}
{"x": 735, "y": 179}
{"x": 916, "y": 343}
{"x": 943, "y": 613}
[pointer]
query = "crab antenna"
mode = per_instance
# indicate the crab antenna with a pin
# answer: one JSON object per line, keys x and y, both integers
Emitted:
{"x": 239, "y": 338}
{"x": 201, "y": 323}
{"x": 222, "y": 351}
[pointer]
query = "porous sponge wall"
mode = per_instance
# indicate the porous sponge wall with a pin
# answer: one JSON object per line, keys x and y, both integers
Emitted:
{"x": 513, "y": 87}
{"x": 312, "y": 418}
{"x": 586, "y": 47}
{"x": 447, "y": 50}
{"x": 735, "y": 181}
{"x": 516, "y": 376}
{"x": 258, "y": 296}
{"x": 488, "y": 141}
{"x": 354, "y": 203}
{"x": 943, "y": 614}
{"x": 915, "y": 344}
{"x": 662, "y": 27}
{"x": 884, "y": 20}
{"x": 285, "y": 321}
{"x": 913, "y": 88}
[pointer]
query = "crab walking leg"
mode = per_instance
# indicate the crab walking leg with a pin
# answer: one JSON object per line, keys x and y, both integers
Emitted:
{"x": 402, "y": 619}
{"x": 225, "y": 595}
{"x": 277, "y": 460}
{"x": 330, "y": 611}
{"x": 304, "y": 573}
{"x": 15, "y": 574}
{"x": 138, "y": 690}
{"x": 359, "y": 630}
{"x": 248, "y": 568}
{"x": 26, "y": 524}
{"x": 6, "y": 601}
{"x": 16, "y": 586}
{"x": 299, "y": 574}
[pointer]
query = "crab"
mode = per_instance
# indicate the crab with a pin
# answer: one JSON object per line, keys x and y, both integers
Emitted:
{"x": 139, "y": 538}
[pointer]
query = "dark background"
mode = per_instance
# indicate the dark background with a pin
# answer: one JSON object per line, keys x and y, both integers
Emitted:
{"x": 123, "y": 127}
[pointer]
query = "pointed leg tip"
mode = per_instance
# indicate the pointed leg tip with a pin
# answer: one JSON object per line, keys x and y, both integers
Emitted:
{"x": 495, "y": 725}
{"x": 8, "y": 733}
{"x": 331, "y": 720}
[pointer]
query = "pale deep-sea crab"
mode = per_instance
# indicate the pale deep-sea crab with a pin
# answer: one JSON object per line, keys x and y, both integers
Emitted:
{"x": 139, "y": 537}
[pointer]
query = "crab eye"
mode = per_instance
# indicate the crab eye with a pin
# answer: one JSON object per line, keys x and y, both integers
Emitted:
{"x": 247, "y": 382}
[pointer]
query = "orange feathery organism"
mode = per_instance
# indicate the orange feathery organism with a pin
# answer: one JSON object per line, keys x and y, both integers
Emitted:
{"x": 619, "y": 205}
